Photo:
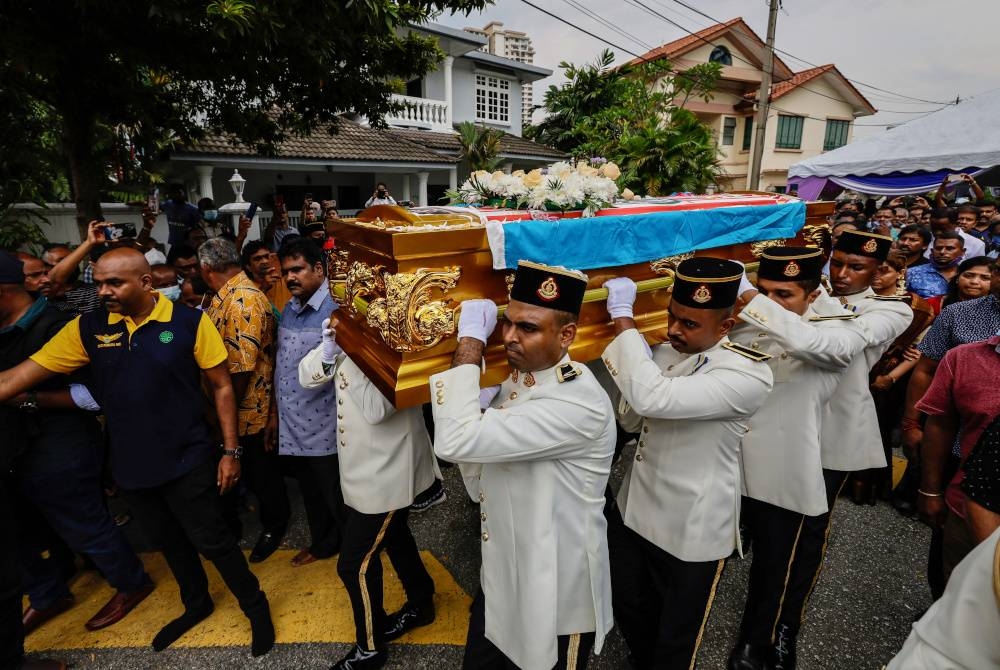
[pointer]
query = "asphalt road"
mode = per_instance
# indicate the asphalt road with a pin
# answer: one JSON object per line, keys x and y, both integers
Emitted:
{"x": 871, "y": 589}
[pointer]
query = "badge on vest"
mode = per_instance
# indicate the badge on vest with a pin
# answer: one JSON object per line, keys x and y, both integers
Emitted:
{"x": 110, "y": 340}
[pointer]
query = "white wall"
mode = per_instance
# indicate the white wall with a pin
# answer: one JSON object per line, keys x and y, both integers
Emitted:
{"x": 464, "y": 85}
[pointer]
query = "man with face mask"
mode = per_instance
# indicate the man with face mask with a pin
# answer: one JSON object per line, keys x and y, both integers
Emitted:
{"x": 165, "y": 282}
{"x": 850, "y": 439}
{"x": 543, "y": 452}
{"x": 934, "y": 278}
{"x": 943, "y": 220}
{"x": 690, "y": 401}
{"x": 182, "y": 216}
{"x": 780, "y": 454}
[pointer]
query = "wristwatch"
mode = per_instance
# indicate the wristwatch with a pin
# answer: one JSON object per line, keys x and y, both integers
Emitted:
{"x": 30, "y": 403}
{"x": 235, "y": 453}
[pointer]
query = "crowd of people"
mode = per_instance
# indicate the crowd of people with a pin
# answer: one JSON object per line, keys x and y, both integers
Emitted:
{"x": 182, "y": 381}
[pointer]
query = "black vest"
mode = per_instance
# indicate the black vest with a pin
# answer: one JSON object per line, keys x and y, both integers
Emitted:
{"x": 149, "y": 387}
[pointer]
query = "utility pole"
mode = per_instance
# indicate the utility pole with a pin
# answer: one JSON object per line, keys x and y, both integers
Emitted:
{"x": 764, "y": 97}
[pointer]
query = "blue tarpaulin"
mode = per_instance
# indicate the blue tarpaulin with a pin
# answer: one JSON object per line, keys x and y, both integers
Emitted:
{"x": 610, "y": 241}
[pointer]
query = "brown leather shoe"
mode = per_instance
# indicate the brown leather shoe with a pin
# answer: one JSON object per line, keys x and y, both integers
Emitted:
{"x": 33, "y": 618}
{"x": 116, "y": 608}
{"x": 43, "y": 664}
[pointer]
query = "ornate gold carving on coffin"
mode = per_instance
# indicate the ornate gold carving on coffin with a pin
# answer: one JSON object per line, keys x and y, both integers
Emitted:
{"x": 816, "y": 235}
{"x": 362, "y": 281}
{"x": 758, "y": 248}
{"x": 400, "y": 305}
{"x": 667, "y": 266}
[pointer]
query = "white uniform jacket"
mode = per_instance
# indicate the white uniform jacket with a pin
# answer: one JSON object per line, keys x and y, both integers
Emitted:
{"x": 683, "y": 490}
{"x": 385, "y": 455}
{"x": 545, "y": 452}
{"x": 959, "y": 631}
{"x": 780, "y": 453}
{"x": 851, "y": 440}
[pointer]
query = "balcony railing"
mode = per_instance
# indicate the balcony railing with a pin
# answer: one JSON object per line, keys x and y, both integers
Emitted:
{"x": 420, "y": 113}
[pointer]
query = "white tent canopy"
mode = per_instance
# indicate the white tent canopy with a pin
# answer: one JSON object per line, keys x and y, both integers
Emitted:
{"x": 957, "y": 137}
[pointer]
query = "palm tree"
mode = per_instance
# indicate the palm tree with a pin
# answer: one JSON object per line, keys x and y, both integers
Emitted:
{"x": 480, "y": 146}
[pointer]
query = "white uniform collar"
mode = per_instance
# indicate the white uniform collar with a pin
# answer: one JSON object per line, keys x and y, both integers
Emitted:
{"x": 855, "y": 298}
{"x": 529, "y": 379}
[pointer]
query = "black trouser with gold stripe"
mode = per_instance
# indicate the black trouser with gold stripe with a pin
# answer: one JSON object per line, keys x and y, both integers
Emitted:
{"x": 809, "y": 554}
{"x": 661, "y": 603}
{"x": 481, "y": 654}
{"x": 360, "y": 568}
{"x": 775, "y": 532}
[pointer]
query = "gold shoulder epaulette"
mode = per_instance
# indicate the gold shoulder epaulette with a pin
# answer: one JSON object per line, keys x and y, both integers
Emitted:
{"x": 890, "y": 297}
{"x": 567, "y": 372}
{"x": 747, "y": 352}
{"x": 847, "y": 316}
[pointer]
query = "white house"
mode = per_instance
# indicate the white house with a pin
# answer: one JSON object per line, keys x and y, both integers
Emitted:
{"x": 811, "y": 111}
{"x": 417, "y": 157}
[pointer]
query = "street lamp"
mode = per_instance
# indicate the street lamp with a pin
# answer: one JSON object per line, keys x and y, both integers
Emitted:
{"x": 238, "y": 183}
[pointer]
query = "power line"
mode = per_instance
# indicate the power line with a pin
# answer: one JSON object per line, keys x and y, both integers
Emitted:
{"x": 802, "y": 60}
{"x": 650, "y": 10}
{"x": 608, "y": 24}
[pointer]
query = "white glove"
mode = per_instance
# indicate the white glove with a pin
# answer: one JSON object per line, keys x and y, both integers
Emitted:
{"x": 621, "y": 296}
{"x": 745, "y": 284}
{"x": 487, "y": 395}
{"x": 330, "y": 348}
{"x": 477, "y": 319}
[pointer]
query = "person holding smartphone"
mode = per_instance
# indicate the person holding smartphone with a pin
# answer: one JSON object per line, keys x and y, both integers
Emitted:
{"x": 381, "y": 196}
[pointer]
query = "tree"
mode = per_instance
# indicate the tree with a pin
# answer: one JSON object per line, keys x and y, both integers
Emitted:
{"x": 480, "y": 146}
{"x": 123, "y": 82}
{"x": 634, "y": 115}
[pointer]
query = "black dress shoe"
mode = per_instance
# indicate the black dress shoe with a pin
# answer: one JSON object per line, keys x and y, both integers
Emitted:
{"x": 408, "y": 617}
{"x": 267, "y": 544}
{"x": 746, "y": 656}
{"x": 784, "y": 648}
{"x": 361, "y": 659}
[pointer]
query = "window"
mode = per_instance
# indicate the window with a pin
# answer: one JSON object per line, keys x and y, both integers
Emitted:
{"x": 492, "y": 99}
{"x": 836, "y": 134}
{"x": 721, "y": 55}
{"x": 747, "y": 132}
{"x": 789, "y": 132}
{"x": 728, "y": 131}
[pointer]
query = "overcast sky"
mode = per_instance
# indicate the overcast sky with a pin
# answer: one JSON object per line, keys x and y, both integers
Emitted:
{"x": 929, "y": 50}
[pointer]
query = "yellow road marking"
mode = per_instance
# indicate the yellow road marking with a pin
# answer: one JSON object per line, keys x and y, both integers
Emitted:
{"x": 308, "y": 604}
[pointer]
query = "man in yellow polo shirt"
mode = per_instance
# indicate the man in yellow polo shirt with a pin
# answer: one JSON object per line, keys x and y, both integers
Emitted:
{"x": 147, "y": 356}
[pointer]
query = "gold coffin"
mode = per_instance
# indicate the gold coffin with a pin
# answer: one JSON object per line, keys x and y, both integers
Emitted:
{"x": 399, "y": 278}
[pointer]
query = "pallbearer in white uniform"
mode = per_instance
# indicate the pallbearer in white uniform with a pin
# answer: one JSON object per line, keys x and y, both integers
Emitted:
{"x": 691, "y": 402}
{"x": 850, "y": 439}
{"x": 543, "y": 450}
{"x": 385, "y": 461}
{"x": 780, "y": 455}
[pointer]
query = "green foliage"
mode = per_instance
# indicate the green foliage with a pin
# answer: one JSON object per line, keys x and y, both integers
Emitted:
{"x": 123, "y": 82}
{"x": 480, "y": 146}
{"x": 634, "y": 116}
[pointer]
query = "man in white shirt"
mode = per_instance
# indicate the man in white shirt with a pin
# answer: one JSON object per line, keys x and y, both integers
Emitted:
{"x": 691, "y": 401}
{"x": 543, "y": 450}
{"x": 946, "y": 220}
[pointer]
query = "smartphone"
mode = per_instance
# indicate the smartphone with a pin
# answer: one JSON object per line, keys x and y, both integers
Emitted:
{"x": 955, "y": 178}
{"x": 251, "y": 210}
{"x": 153, "y": 200}
{"x": 117, "y": 231}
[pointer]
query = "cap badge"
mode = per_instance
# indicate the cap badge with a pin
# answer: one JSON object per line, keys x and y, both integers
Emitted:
{"x": 549, "y": 290}
{"x": 870, "y": 247}
{"x": 792, "y": 269}
{"x": 701, "y": 295}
